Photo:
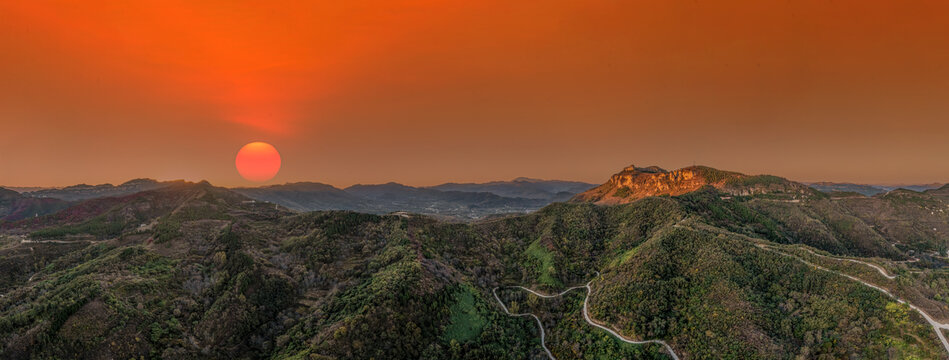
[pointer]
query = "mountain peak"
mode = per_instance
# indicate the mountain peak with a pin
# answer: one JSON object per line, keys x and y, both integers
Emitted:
{"x": 7, "y": 193}
{"x": 140, "y": 182}
{"x": 634, "y": 183}
{"x": 649, "y": 169}
{"x": 301, "y": 185}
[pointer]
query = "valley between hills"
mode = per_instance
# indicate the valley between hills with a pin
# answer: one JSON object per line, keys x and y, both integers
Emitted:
{"x": 694, "y": 263}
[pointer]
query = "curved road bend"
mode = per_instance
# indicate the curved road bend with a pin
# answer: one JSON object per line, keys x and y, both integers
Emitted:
{"x": 875, "y": 266}
{"x": 539, "y": 324}
{"x": 586, "y": 316}
{"x": 937, "y": 326}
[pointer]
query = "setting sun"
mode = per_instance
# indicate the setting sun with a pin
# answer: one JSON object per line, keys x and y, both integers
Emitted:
{"x": 258, "y": 161}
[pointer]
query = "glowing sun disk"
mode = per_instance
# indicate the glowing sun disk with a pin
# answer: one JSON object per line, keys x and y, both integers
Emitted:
{"x": 258, "y": 161}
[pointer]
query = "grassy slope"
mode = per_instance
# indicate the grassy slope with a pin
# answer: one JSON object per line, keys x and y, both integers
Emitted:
{"x": 543, "y": 261}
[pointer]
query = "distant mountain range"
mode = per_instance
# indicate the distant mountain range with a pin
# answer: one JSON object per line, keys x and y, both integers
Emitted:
{"x": 452, "y": 200}
{"x": 464, "y": 201}
{"x": 84, "y": 192}
{"x": 523, "y": 188}
{"x": 869, "y": 190}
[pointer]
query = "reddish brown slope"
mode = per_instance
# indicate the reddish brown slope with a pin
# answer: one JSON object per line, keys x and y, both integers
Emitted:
{"x": 634, "y": 183}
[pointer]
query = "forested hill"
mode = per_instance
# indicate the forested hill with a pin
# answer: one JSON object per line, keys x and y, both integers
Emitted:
{"x": 195, "y": 271}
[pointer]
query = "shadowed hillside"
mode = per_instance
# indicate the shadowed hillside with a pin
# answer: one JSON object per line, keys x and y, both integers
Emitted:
{"x": 14, "y": 206}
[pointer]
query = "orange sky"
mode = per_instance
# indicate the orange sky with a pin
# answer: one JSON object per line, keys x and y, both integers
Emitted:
{"x": 423, "y": 92}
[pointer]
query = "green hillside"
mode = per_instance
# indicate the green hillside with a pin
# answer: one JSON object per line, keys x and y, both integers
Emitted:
{"x": 195, "y": 271}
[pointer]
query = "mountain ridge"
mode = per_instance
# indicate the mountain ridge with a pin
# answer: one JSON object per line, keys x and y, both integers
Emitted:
{"x": 869, "y": 189}
{"x": 522, "y": 187}
{"x": 467, "y": 201}
{"x": 634, "y": 183}
{"x": 80, "y": 192}
{"x": 15, "y": 206}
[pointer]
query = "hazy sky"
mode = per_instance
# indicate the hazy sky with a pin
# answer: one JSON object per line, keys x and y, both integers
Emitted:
{"x": 425, "y": 92}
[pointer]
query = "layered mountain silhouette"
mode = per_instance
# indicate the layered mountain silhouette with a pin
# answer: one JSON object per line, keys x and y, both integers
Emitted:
{"x": 463, "y": 201}
{"x": 868, "y": 190}
{"x": 453, "y": 200}
{"x": 307, "y": 196}
{"x": 83, "y": 191}
{"x": 523, "y": 187}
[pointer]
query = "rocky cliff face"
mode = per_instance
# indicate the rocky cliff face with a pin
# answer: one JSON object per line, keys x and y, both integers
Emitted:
{"x": 634, "y": 183}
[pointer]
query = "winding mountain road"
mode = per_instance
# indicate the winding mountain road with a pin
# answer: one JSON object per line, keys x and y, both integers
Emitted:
{"x": 937, "y": 326}
{"x": 25, "y": 241}
{"x": 543, "y": 336}
{"x": 586, "y": 316}
{"x": 877, "y": 267}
